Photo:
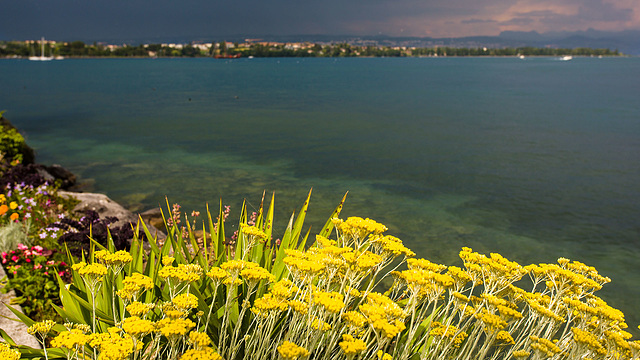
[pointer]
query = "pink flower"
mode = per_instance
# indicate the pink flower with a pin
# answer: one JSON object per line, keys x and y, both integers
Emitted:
{"x": 14, "y": 258}
{"x": 46, "y": 273}
{"x": 37, "y": 248}
{"x": 22, "y": 247}
{"x": 62, "y": 263}
{"x": 37, "y": 267}
{"x": 61, "y": 273}
{"x": 27, "y": 260}
{"x": 50, "y": 262}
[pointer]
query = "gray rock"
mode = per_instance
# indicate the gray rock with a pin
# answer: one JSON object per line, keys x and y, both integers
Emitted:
{"x": 105, "y": 207}
{"x": 17, "y": 330}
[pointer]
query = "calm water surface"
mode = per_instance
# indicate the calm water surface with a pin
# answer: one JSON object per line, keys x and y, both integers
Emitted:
{"x": 534, "y": 159}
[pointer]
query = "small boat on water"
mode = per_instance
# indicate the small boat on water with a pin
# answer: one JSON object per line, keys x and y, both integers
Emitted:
{"x": 41, "y": 57}
{"x": 226, "y": 56}
{"x": 566, "y": 58}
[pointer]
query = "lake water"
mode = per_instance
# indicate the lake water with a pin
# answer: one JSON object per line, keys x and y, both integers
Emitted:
{"x": 534, "y": 159}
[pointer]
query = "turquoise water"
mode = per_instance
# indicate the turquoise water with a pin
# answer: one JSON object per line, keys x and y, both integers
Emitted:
{"x": 534, "y": 159}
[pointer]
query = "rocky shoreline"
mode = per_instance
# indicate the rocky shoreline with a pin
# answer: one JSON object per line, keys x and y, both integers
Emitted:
{"x": 100, "y": 203}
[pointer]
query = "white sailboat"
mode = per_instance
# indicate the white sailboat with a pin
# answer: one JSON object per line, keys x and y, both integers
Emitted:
{"x": 41, "y": 57}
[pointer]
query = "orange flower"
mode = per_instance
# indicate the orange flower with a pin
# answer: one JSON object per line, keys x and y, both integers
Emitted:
{"x": 3, "y": 209}
{"x": 14, "y": 216}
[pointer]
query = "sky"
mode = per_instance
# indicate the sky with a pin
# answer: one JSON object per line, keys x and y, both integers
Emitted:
{"x": 135, "y": 19}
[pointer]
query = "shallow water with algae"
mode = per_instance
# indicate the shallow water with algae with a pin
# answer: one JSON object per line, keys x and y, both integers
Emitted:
{"x": 534, "y": 158}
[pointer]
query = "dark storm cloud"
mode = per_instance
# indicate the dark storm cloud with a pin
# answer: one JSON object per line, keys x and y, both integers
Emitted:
{"x": 131, "y": 19}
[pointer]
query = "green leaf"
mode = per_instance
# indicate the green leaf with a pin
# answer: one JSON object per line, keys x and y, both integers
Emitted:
{"x": 328, "y": 226}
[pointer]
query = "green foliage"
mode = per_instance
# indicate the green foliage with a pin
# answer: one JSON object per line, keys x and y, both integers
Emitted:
{"x": 12, "y": 143}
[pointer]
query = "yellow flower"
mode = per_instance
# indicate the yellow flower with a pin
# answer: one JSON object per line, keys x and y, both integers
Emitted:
{"x": 183, "y": 272}
{"x": 354, "y": 319}
{"x": 217, "y": 274}
{"x": 186, "y": 301}
{"x": 139, "y": 309}
{"x": 7, "y": 353}
{"x": 368, "y": 260}
{"x": 256, "y": 273}
{"x": 332, "y": 302}
{"x": 2, "y": 198}
{"x": 201, "y": 354}
{"x": 112, "y": 346}
{"x": 291, "y": 351}
{"x": 199, "y": 340}
{"x": 136, "y": 326}
{"x": 41, "y": 328}
{"x": 351, "y": 346}
{"x": 504, "y": 338}
{"x": 168, "y": 260}
{"x": 383, "y": 355}
{"x": 13, "y": 205}
{"x": 300, "y": 307}
{"x": 172, "y": 328}
{"x": 118, "y": 259}
{"x": 269, "y": 304}
{"x": 320, "y": 325}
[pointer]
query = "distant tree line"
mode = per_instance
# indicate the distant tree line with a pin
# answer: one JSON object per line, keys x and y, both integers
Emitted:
{"x": 80, "y": 49}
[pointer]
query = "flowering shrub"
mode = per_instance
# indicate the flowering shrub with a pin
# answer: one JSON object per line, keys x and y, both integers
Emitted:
{"x": 324, "y": 302}
{"x": 32, "y": 274}
{"x": 36, "y": 205}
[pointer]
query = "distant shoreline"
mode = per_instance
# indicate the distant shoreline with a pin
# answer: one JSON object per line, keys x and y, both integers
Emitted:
{"x": 226, "y": 50}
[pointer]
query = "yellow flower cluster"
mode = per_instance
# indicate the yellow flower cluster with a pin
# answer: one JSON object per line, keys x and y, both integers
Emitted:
{"x": 283, "y": 289}
{"x": 173, "y": 328}
{"x": 390, "y": 246}
{"x": 331, "y": 301}
{"x": 255, "y": 274}
{"x": 589, "y": 339}
{"x": 354, "y": 319}
{"x": 112, "y": 345}
{"x": 201, "y": 354}
{"x": 367, "y": 260}
{"x": 90, "y": 270}
{"x": 6, "y": 352}
{"x": 320, "y": 325}
{"x": 545, "y": 346}
{"x": 136, "y": 326}
{"x": 139, "y": 309}
{"x": 496, "y": 270}
{"x": 358, "y": 228}
{"x": 253, "y": 232}
{"x": 383, "y": 314}
{"x": 42, "y": 327}
{"x": 199, "y": 340}
{"x": 269, "y": 304}
{"x": 383, "y": 355}
{"x": 491, "y": 321}
{"x": 217, "y": 274}
{"x": 450, "y": 332}
{"x": 183, "y": 272}
{"x": 298, "y": 306}
{"x": 520, "y": 354}
{"x": 291, "y": 351}
{"x": 302, "y": 265}
{"x": 351, "y": 346}
{"x": 184, "y": 302}
{"x": 117, "y": 259}
{"x": 504, "y": 338}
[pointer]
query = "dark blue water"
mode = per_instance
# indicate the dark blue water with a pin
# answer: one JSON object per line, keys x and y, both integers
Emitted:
{"x": 534, "y": 159}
